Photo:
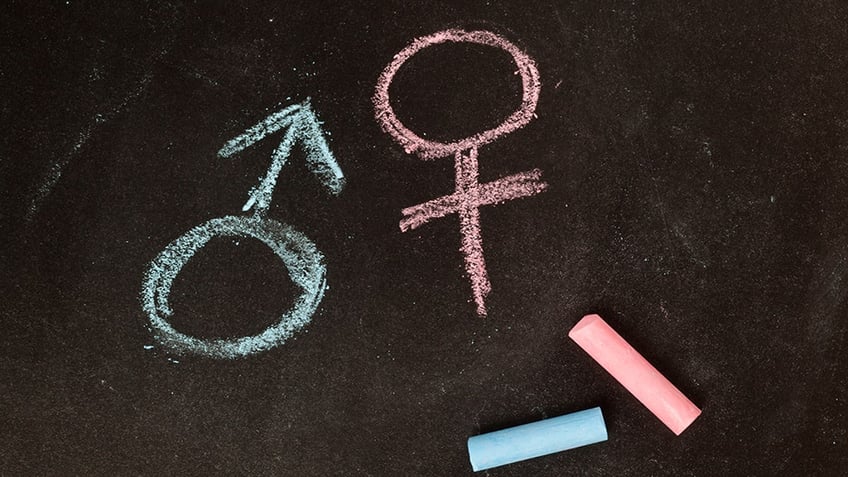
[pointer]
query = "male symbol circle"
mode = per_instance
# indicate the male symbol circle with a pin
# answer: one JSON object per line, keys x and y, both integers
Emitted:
{"x": 298, "y": 254}
{"x": 470, "y": 194}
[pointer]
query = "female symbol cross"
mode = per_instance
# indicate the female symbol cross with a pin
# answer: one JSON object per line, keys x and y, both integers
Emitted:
{"x": 470, "y": 194}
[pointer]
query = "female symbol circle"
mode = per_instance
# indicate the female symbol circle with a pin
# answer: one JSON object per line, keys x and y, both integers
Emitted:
{"x": 426, "y": 149}
{"x": 298, "y": 254}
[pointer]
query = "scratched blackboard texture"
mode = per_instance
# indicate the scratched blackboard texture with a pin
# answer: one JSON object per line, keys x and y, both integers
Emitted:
{"x": 697, "y": 156}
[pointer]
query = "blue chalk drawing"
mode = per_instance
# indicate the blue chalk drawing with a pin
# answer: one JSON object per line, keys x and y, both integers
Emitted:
{"x": 302, "y": 126}
{"x": 300, "y": 256}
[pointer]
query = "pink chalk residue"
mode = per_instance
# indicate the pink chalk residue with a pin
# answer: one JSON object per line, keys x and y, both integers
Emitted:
{"x": 469, "y": 194}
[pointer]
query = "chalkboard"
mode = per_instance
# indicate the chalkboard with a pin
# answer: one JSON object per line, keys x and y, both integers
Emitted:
{"x": 678, "y": 167}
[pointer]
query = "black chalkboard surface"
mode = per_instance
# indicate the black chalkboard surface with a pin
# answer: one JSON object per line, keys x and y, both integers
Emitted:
{"x": 696, "y": 196}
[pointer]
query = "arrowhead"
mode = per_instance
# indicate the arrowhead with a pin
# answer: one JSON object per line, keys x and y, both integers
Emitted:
{"x": 304, "y": 127}
{"x": 319, "y": 158}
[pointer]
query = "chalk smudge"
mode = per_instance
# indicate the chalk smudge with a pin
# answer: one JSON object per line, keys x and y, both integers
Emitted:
{"x": 298, "y": 253}
{"x": 470, "y": 195}
{"x": 54, "y": 173}
{"x": 303, "y": 126}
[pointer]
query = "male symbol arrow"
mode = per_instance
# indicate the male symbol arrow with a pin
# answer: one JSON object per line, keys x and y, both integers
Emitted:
{"x": 302, "y": 126}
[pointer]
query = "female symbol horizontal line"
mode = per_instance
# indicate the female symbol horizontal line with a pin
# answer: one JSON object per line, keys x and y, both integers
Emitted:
{"x": 516, "y": 186}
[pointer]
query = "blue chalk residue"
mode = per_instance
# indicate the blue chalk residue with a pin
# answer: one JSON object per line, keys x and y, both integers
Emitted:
{"x": 537, "y": 439}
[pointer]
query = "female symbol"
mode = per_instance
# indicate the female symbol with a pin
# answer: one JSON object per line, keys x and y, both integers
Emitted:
{"x": 470, "y": 194}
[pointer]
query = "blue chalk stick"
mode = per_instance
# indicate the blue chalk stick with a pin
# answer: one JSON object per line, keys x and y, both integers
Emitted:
{"x": 537, "y": 439}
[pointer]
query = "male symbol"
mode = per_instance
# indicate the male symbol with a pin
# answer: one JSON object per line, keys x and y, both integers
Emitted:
{"x": 470, "y": 194}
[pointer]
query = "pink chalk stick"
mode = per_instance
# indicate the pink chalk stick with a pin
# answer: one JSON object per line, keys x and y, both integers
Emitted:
{"x": 635, "y": 373}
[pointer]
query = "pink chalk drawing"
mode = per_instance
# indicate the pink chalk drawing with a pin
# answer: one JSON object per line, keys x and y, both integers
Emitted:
{"x": 470, "y": 195}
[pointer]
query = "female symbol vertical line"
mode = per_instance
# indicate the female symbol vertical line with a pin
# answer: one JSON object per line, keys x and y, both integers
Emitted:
{"x": 469, "y": 194}
{"x": 469, "y": 217}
